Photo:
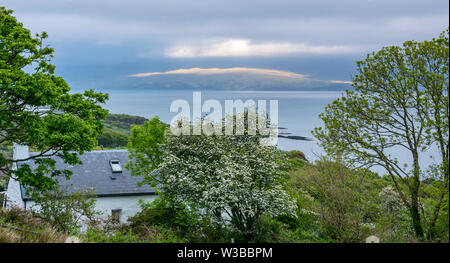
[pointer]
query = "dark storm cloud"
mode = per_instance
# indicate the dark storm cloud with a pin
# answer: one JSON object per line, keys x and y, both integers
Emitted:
{"x": 169, "y": 32}
{"x": 331, "y": 22}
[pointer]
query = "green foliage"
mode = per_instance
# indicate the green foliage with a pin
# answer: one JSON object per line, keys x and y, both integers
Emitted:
{"x": 392, "y": 224}
{"x": 295, "y": 159}
{"x": 145, "y": 148}
{"x": 152, "y": 234}
{"x": 432, "y": 196}
{"x": 70, "y": 122}
{"x": 117, "y": 130}
{"x": 340, "y": 204}
{"x": 112, "y": 139}
{"x": 266, "y": 230}
{"x": 400, "y": 103}
{"x": 156, "y": 223}
{"x": 3, "y": 183}
{"x": 95, "y": 236}
{"x": 442, "y": 224}
{"x": 23, "y": 226}
{"x": 187, "y": 225}
{"x": 233, "y": 179}
{"x": 65, "y": 211}
{"x": 122, "y": 122}
{"x": 306, "y": 226}
{"x": 165, "y": 213}
{"x": 343, "y": 200}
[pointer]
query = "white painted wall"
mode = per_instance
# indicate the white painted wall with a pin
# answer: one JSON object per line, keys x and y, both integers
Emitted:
{"x": 20, "y": 151}
{"x": 13, "y": 194}
{"x": 128, "y": 204}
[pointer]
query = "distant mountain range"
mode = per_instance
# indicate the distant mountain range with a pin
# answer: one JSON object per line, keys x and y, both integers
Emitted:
{"x": 231, "y": 80}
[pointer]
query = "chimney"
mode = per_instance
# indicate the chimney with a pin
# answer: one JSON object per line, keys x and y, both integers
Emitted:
{"x": 20, "y": 152}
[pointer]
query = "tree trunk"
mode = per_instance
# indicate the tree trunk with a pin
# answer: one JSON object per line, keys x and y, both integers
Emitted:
{"x": 414, "y": 210}
{"x": 414, "y": 190}
{"x": 437, "y": 208}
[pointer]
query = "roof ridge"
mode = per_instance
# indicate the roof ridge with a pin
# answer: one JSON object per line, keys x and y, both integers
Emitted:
{"x": 94, "y": 151}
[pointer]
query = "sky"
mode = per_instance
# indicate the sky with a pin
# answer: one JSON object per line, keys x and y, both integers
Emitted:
{"x": 103, "y": 40}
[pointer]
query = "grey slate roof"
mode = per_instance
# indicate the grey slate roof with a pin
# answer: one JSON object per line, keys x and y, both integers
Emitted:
{"x": 96, "y": 172}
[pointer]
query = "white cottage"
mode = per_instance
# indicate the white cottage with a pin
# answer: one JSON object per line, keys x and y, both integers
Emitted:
{"x": 116, "y": 191}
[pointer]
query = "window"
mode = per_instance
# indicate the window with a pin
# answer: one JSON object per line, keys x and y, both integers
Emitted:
{"x": 115, "y": 166}
{"x": 115, "y": 214}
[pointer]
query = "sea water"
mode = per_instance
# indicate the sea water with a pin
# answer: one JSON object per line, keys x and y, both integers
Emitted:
{"x": 298, "y": 113}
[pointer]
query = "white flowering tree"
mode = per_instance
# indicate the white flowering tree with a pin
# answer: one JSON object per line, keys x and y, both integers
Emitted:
{"x": 235, "y": 179}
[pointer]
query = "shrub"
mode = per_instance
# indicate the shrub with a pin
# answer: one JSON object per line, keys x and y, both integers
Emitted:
{"x": 97, "y": 236}
{"x": 112, "y": 139}
{"x": 23, "y": 226}
{"x": 342, "y": 198}
{"x": 3, "y": 182}
{"x": 64, "y": 210}
{"x": 162, "y": 213}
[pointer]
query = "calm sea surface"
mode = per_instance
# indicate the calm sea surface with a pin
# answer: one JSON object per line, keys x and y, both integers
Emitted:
{"x": 297, "y": 112}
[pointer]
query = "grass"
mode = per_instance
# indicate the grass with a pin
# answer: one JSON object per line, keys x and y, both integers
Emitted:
{"x": 22, "y": 226}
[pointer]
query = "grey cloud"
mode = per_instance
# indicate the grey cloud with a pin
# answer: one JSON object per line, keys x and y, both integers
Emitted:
{"x": 184, "y": 10}
{"x": 317, "y": 30}
{"x": 320, "y": 21}
{"x": 111, "y": 31}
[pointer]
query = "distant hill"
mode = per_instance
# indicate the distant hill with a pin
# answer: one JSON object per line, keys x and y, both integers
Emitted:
{"x": 122, "y": 122}
{"x": 117, "y": 130}
{"x": 229, "y": 81}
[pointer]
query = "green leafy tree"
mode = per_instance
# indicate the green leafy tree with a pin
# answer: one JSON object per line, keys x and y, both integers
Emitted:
{"x": 343, "y": 199}
{"x": 36, "y": 108}
{"x": 145, "y": 148}
{"x": 400, "y": 102}
{"x": 235, "y": 179}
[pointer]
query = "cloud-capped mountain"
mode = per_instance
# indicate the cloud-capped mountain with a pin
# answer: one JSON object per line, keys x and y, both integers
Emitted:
{"x": 226, "y": 79}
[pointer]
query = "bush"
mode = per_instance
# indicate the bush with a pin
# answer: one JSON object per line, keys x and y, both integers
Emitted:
{"x": 65, "y": 211}
{"x": 294, "y": 160}
{"x": 164, "y": 215}
{"x": 393, "y": 221}
{"x": 143, "y": 228}
{"x": 3, "y": 182}
{"x": 122, "y": 122}
{"x": 23, "y": 226}
{"x": 343, "y": 201}
{"x": 96, "y": 236}
{"x": 20, "y": 217}
{"x": 112, "y": 139}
